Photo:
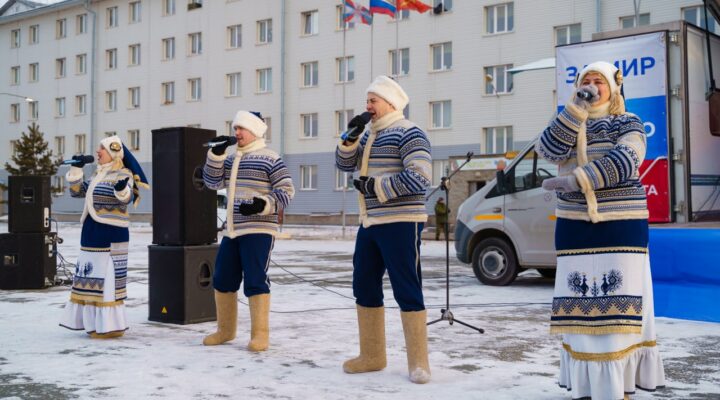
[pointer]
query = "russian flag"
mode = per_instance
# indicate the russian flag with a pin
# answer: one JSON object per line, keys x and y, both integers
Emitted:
{"x": 382, "y": 7}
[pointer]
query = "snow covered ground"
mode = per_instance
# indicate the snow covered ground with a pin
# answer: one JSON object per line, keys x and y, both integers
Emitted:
{"x": 313, "y": 331}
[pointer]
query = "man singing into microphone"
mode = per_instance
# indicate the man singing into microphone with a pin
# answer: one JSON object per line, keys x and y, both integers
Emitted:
{"x": 393, "y": 158}
{"x": 259, "y": 187}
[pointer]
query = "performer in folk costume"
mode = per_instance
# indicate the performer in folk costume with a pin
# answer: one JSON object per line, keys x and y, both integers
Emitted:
{"x": 97, "y": 299}
{"x": 259, "y": 187}
{"x": 603, "y": 303}
{"x": 393, "y": 159}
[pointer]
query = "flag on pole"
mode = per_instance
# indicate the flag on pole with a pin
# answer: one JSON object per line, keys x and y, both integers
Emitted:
{"x": 416, "y": 5}
{"x": 382, "y": 7}
{"x": 352, "y": 11}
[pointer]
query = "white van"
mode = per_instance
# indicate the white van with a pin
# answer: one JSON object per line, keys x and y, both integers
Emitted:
{"x": 505, "y": 228}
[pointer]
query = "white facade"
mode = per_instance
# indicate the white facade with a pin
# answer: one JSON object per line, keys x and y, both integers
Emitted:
{"x": 135, "y": 72}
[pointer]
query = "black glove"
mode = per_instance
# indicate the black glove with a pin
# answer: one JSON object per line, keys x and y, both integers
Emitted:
{"x": 358, "y": 122}
{"x": 80, "y": 161}
{"x": 224, "y": 143}
{"x": 255, "y": 207}
{"x": 121, "y": 184}
{"x": 365, "y": 184}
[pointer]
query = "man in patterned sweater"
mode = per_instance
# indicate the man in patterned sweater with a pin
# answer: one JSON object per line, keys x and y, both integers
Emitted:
{"x": 393, "y": 158}
{"x": 259, "y": 187}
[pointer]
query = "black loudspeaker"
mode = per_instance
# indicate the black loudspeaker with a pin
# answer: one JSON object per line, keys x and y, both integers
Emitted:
{"x": 184, "y": 211}
{"x": 181, "y": 290}
{"x": 27, "y": 260}
{"x": 29, "y": 204}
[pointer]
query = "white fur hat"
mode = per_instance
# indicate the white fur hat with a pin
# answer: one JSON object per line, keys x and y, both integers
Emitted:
{"x": 612, "y": 75}
{"x": 114, "y": 146}
{"x": 251, "y": 122}
{"x": 390, "y": 91}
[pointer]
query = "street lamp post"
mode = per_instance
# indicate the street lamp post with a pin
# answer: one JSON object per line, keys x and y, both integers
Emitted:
{"x": 28, "y": 99}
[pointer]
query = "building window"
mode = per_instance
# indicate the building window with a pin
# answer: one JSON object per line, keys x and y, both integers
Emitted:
{"x": 111, "y": 58}
{"x": 264, "y": 80}
{"x": 59, "y": 107}
{"x": 567, "y": 34}
{"x": 60, "y": 68}
{"x": 629, "y": 21}
{"x": 80, "y": 64}
{"x": 15, "y": 112}
{"x": 441, "y": 56}
{"x": 194, "y": 4}
{"x": 80, "y": 144}
{"x": 498, "y": 79}
{"x": 402, "y": 15}
{"x": 15, "y": 75}
{"x": 268, "y": 132}
{"x": 195, "y": 43}
{"x": 61, "y": 28}
{"x": 135, "y": 12}
{"x": 403, "y": 68}
{"x": 345, "y": 69}
{"x": 60, "y": 145}
{"x": 264, "y": 31}
{"x": 13, "y": 147}
{"x": 343, "y": 180}
{"x": 111, "y": 17}
{"x": 134, "y": 54}
{"x": 234, "y": 36}
{"x": 168, "y": 46}
{"x": 168, "y": 7}
{"x": 695, "y": 16}
{"x": 168, "y": 92}
{"x": 110, "y": 134}
{"x": 309, "y": 125}
{"x": 233, "y": 84}
{"x": 134, "y": 139}
{"x": 58, "y": 185}
{"x": 229, "y": 128}
{"x": 194, "y": 89}
{"x": 342, "y": 118}
{"x": 500, "y": 18}
{"x": 498, "y": 139}
{"x": 134, "y": 97}
{"x": 310, "y": 74}
{"x": 441, "y": 114}
{"x": 15, "y": 38}
{"x": 340, "y": 23}
{"x": 308, "y": 177}
{"x": 34, "y": 72}
{"x": 310, "y": 23}
{"x": 440, "y": 168}
{"x": 80, "y": 104}
{"x": 447, "y": 5}
{"x": 111, "y": 100}
{"x": 81, "y": 24}
{"x": 34, "y": 36}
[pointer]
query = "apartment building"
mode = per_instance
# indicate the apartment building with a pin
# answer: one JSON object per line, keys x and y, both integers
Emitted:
{"x": 124, "y": 67}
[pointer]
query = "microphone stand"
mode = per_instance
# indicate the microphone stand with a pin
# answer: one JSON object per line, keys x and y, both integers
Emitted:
{"x": 445, "y": 313}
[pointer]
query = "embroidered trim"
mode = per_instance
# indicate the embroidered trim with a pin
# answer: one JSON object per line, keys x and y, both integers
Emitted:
{"x": 615, "y": 355}
{"x": 74, "y": 299}
{"x": 595, "y": 330}
{"x": 619, "y": 249}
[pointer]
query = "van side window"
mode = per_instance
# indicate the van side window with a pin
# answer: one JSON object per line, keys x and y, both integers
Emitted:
{"x": 530, "y": 172}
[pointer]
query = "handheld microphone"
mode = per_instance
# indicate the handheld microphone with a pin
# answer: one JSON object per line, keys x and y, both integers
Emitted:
{"x": 352, "y": 132}
{"x": 79, "y": 160}
{"x": 584, "y": 95}
{"x": 230, "y": 141}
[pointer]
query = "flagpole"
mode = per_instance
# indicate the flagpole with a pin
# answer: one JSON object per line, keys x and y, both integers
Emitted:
{"x": 372, "y": 27}
{"x": 397, "y": 39}
{"x": 342, "y": 112}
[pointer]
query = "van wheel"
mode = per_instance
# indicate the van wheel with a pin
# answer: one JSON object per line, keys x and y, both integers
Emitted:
{"x": 494, "y": 262}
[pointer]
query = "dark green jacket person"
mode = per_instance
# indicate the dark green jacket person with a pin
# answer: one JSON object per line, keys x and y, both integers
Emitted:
{"x": 441, "y": 217}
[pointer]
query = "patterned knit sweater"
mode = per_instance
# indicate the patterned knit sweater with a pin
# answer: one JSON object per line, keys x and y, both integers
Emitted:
{"x": 604, "y": 153}
{"x": 105, "y": 205}
{"x": 253, "y": 171}
{"x": 397, "y": 154}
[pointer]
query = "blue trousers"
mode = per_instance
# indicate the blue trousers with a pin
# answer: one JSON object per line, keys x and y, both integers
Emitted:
{"x": 395, "y": 247}
{"x": 248, "y": 256}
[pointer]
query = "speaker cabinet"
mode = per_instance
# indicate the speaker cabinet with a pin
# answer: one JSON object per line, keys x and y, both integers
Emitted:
{"x": 184, "y": 211}
{"x": 27, "y": 260}
{"x": 181, "y": 290}
{"x": 29, "y": 204}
